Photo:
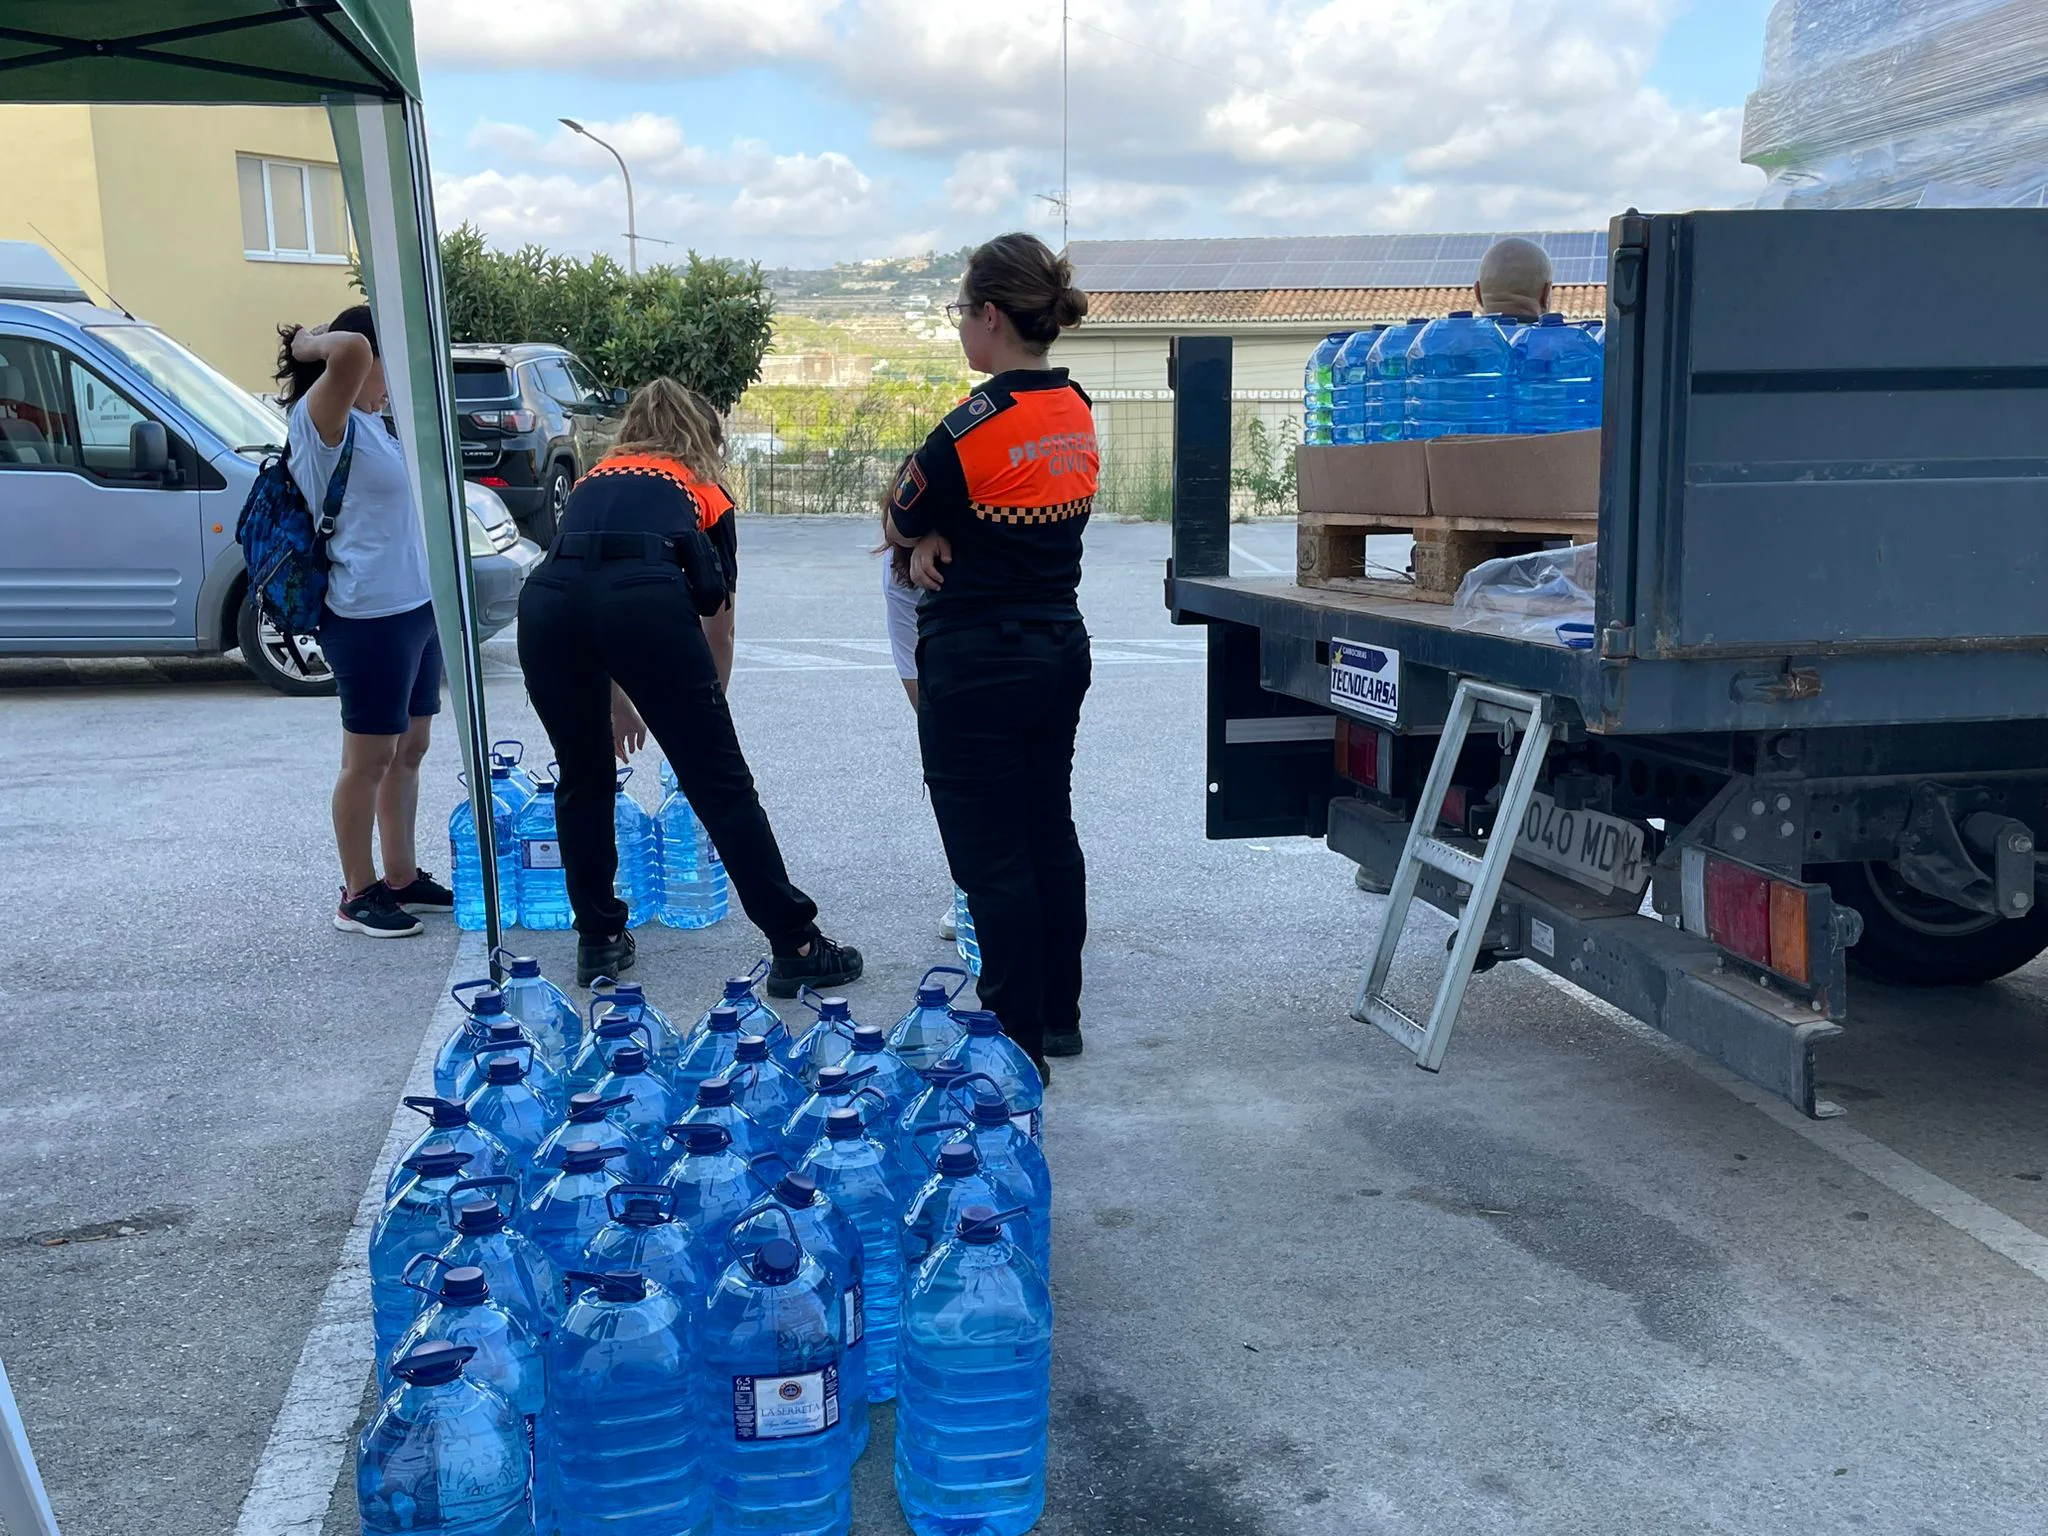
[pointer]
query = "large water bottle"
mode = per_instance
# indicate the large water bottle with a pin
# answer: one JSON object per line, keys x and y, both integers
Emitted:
{"x": 638, "y": 882}
{"x": 622, "y": 1411}
{"x": 1316, "y": 388}
{"x": 716, "y": 1105}
{"x": 509, "y": 754}
{"x": 966, "y": 942}
{"x": 643, "y": 1108}
{"x": 588, "y": 1120}
{"x": 506, "y": 1037}
{"x": 988, "y": 1050}
{"x": 630, "y": 998}
{"x": 762, "y": 1086}
{"x": 713, "y": 1185}
{"x": 942, "y": 1102}
{"x": 465, "y": 854}
{"x": 977, "y": 1385}
{"x": 775, "y": 1434}
{"x": 449, "y": 1127}
{"x": 1015, "y": 1167}
{"x": 893, "y": 1081}
{"x": 857, "y": 1174}
{"x": 694, "y": 890}
{"x": 1462, "y": 371}
{"x": 755, "y": 1016}
{"x": 823, "y": 1232}
{"x": 644, "y": 1237}
{"x": 838, "y": 1088}
{"x": 1347, "y": 384}
{"x": 542, "y": 1008}
{"x": 487, "y": 1025}
{"x": 608, "y": 1036}
{"x": 444, "y": 1455}
{"x": 507, "y": 1107}
{"x": 829, "y": 1040}
{"x": 1387, "y": 381}
{"x": 543, "y": 890}
{"x": 524, "y": 1280}
{"x": 570, "y": 1207}
{"x": 928, "y": 1031}
{"x": 413, "y": 1221}
{"x": 955, "y": 1183}
{"x": 1558, "y": 377}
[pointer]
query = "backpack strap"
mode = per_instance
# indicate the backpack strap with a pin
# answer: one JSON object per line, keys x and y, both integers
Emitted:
{"x": 337, "y": 484}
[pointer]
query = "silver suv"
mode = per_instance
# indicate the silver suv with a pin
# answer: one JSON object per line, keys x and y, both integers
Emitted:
{"x": 124, "y": 463}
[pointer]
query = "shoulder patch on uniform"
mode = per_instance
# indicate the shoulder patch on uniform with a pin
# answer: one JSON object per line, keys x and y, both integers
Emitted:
{"x": 909, "y": 486}
{"x": 971, "y": 413}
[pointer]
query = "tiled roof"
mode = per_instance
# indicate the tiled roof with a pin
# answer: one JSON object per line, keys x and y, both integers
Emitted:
{"x": 1578, "y": 301}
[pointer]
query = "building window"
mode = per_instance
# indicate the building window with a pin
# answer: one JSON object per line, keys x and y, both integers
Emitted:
{"x": 291, "y": 211}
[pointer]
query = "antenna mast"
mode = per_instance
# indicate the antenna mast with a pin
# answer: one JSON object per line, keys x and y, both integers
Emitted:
{"x": 1065, "y": 204}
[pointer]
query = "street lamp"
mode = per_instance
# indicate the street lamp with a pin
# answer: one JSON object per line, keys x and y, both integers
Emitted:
{"x": 632, "y": 230}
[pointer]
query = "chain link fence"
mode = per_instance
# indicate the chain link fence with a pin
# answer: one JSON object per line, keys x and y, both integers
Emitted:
{"x": 822, "y": 450}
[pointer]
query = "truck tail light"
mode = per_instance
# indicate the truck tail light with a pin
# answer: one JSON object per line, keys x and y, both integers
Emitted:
{"x": 1755, "y": 916}
{"x": 504, "y": 421}
{"x": 1365, "y": 755}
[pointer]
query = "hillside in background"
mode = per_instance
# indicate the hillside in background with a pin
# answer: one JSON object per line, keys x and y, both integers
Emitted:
{"x": 859, "y": 322}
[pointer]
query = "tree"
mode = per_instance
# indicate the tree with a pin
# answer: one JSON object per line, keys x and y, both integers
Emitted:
{"x": 707, "y": 323}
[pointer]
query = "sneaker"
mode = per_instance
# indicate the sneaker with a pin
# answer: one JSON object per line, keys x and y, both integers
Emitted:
{"x": 423, "y": 894}
{"x": 828, "y": 965}
{"x": 949, "y": 930}
{"x": 1068, "y": 1044}
{"x": 375, "y": 915}
{"x": 604, "y": 957}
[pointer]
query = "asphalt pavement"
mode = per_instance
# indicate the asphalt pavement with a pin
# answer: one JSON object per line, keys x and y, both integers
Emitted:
{"x": 1574, "y": 1283}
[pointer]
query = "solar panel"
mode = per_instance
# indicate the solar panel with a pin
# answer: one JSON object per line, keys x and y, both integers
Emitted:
{"x": 1244, "y": 263}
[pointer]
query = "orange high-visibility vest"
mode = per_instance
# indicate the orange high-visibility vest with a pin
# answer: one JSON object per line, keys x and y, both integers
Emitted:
{"x": 710, "y": 500}
{"x": 1033, "y": 460}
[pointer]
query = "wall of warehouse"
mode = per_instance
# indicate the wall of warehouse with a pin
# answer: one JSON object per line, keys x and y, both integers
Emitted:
{"x": 1115, "y": 358}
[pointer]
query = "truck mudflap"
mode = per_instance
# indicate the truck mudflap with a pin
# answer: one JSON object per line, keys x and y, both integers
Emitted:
{"x": 1677, "y": 982}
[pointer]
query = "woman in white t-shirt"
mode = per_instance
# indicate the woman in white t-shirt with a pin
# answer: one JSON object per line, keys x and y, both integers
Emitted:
{"x": 378, "y": 630}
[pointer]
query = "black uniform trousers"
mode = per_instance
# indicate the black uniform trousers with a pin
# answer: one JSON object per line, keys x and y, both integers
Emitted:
{"x": 582, "y": 626}
{"x": 998, "y": 708}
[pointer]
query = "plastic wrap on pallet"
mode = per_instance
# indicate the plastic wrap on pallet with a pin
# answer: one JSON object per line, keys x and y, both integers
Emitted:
{"x": 1902, "y": 104}
{"x": 1547, "y": 595}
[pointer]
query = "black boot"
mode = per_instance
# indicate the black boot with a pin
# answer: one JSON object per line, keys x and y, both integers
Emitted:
{"x": 604, "y": 957}
{"x": 828, "y": 965}
{"x": 1068, "y": 1044}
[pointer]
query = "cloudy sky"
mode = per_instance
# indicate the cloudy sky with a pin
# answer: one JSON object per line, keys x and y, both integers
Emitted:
{"x": 811, "y": 131}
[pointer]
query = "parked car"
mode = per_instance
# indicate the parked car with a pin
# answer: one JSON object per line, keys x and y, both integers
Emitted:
{"x": 124, "y": 463}
{"x": 533, "y": 418}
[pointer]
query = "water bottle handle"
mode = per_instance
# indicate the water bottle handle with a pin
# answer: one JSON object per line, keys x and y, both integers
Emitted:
{"x": 484, "y": 1182}
{"x": 805, "y": 993}
{"x": 946, "y": 970}
{"x": 931, "y": 1159}
{"x": 619, "y": 779}
{"x": 873, "y": 1093}
{"x": 766, "y": 1157}
{"x": 953, "y": 1092}
{"x": 760, "y": 971}
{"x": 774, "y": 1208}
{"x": 456, "y": 991}
{"x": 507, "y": 1049}
{"x": 510, "y": 759}
{"x": 405, "y": 1275}
{"x": 666, "y": 1192}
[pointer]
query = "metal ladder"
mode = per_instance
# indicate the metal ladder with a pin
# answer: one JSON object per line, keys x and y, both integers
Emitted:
{"x": 1508, "y": 709}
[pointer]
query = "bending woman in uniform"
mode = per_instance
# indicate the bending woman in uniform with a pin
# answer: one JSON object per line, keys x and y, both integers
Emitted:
{"x": 617, "y": 608}
{"x": 992, "y": 508}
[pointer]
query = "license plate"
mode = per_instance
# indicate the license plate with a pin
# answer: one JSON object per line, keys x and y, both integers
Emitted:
{"x": 1366, "y": 680}
{"x": 1590, "y": 847}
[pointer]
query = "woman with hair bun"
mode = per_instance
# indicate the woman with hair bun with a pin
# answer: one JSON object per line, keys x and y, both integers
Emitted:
{"x": 992, "y": 508}
{"x": 611, "y": 632}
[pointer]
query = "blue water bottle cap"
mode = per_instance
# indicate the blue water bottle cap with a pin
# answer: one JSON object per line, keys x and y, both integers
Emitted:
{"x": 588, "y": 1156}
{"x": 611, "y": 1285}
{"x": 500, "y": 769}
{"x": 1460, "y": 314}
{"x": 443, "y": 1114}
{"x": 479, "y": 1218}
{"x": 714, "y": 1093}
{"x": 505, "y": 1031}
{"x": 1418, "y": 319}
{"x": 980, "y": 1224}
{"x": 834, "y": 1009}
{"x": 487, "y": 1003}
{"x": 931, "y": 997}
{"x": 796, "y": 1190}
{"x": 844, "y": 1125}
{"x": 616, "y": 1025}
{"x": 751, "y": 1048}
{"x": 628, "y": 1061}
{"x": 957, "y": 1159}
{"x": 777, "y": 1261}
{"x": 1553, "y": 318}
{"x": 432, "y": 1363}
{"x": 504, "y": 1069}
{"x": 944, "y": 1074}
{"x": 737, "y": 987}
{"x": 464, "y": 1286}
{"x": 628, "y": 992}
{"x": 990, "y": 1109}
{"x": 724, "y": 1020}
{"x": 523, "y": 967}
{"x": 979, "y": 1022}
{"x": 869, "y": 1039}
{"x": 437, "y": 1161}
{"x": 703, "y": 1138}
{"x": 646, "y": 1205}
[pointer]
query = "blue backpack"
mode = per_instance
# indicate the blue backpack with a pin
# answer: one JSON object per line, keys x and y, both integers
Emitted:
{"x": 285, "y": 546}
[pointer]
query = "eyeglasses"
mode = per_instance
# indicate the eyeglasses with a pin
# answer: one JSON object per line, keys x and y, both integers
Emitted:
{"x": 956, "y": 312}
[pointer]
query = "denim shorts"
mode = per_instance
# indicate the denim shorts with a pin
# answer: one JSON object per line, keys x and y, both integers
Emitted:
{"x": 387, "y": 671}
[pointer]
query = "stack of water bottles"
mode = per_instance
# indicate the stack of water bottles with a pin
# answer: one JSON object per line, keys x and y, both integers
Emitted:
{"x": 1464, "y": 374}
{"x": 668, "y": 869}
{"x": 635, "y": 1277}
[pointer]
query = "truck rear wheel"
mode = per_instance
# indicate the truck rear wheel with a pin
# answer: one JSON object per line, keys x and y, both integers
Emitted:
{"x": 1916, "y": 940}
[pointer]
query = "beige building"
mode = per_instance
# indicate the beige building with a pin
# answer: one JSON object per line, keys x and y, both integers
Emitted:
{"x": 215, "y": 223}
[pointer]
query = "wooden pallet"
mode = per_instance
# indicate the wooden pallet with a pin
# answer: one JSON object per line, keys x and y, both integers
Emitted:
{"x": 1329, "y": 550}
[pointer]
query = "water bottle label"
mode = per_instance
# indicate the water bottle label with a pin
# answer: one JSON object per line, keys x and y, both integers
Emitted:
{"x": 1029, "y": 1122}
{"x": 854, "y": 1303}
{"x": 540, "y": 853}
{"x": 785, "y": 1407}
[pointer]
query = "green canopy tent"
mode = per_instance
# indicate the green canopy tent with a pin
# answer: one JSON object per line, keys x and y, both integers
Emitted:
{"x": 355, "y": 57}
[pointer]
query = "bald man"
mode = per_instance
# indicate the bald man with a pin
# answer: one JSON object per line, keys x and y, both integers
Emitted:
{"x": 1514, "y": 279}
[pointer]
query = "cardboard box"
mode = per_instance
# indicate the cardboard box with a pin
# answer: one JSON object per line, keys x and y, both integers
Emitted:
{"x": 1363, "y": 479}
{"x": 1556, "y": 475}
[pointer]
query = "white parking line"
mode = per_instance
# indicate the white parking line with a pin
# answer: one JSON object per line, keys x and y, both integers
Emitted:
{"x": 1899, "y": 1174}
{"x": 1249, "y": 558}
{"x": 295, "y": 1476}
